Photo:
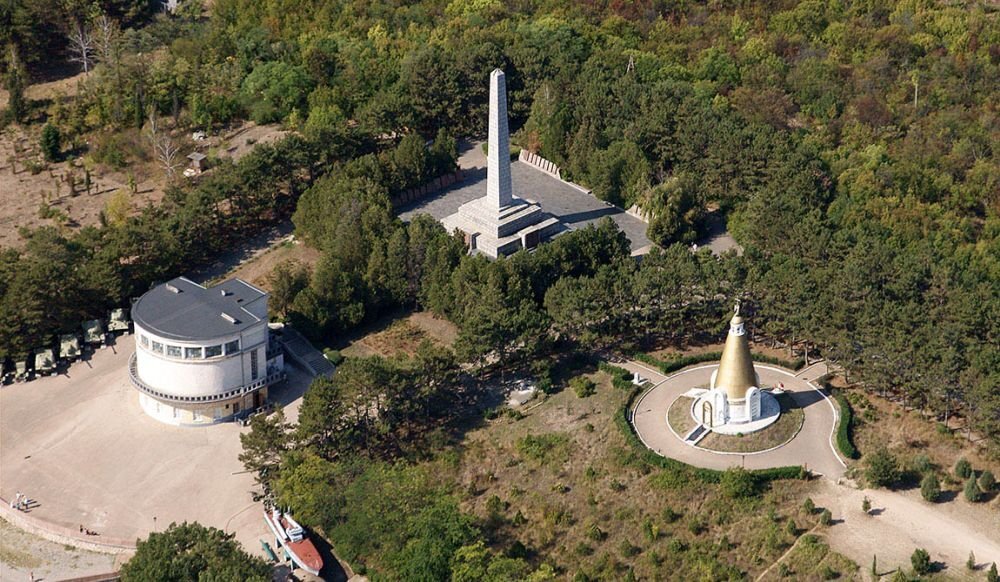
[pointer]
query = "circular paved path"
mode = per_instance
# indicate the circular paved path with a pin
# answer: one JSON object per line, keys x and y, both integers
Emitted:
{"x": 812, "y": 447}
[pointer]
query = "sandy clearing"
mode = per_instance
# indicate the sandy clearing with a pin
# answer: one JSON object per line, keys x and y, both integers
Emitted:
{"x": 904, "y": 522}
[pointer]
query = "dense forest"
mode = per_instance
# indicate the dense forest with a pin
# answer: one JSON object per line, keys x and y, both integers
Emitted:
{"x": 854, "y": 147}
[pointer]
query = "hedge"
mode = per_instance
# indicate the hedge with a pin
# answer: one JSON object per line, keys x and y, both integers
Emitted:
{"x": 668, "y": 366}
{"x": 844, "y": 427}
{"x": 683, "y": 469}
{"x": 620, "y": 377}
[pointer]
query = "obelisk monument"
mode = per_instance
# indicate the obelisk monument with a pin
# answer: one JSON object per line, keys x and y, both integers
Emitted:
{"x": 499, "y": 192}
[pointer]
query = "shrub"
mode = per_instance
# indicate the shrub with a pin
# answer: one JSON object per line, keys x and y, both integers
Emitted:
{"x": 972, "y": 491}
{"x": 971, "y": 562}
{"x": 986, "y": 481}
{"x": 826, "y": 517}
{"x": 930, "y": 489}
{"x": 669, "y": 515}
{"x": 791, "y": 528}
{"x": 881, "y": 468}
{"x": 620, "y": 377}
{"x": 963, "y": 468}
{"x": 335, "y": 357}
{"x": 922, "y": 463}
{"x": 595, "y": 533}
{"x": 828, "y": 573}
{"x": 738, "y": 483}
{"x": 809, "y": 506}
{"x": 583, "y": 549}
{"x": 845, "y": 428}
{"x": 628, "y": 549}
{"x": 542, "y": 447}
{"x": 921, "y": 561}
{"x": 583, "y": 386}
{"x": 866, "y": 504}
{"x": 51, "y": 142}
{"x": 992, "y": 575}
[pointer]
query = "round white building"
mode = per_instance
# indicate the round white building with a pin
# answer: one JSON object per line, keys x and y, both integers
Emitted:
{"x": 203, "y": 355}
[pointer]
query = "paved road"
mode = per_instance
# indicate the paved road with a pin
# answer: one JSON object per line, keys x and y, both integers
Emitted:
{"x": 812, "y": 447}
{"x": 573, "y": 206}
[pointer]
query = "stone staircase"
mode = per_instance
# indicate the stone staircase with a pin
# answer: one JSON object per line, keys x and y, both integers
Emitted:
{"x": 304, "y": 354}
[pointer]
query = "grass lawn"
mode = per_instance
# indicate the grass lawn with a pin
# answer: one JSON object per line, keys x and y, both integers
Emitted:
{"x": 812, "y": 559}
{"x": 401, "y": 334}
{"x": 777, "y": 434}
{"x": 560, "y": 483}
{"x": 679, "y": 416}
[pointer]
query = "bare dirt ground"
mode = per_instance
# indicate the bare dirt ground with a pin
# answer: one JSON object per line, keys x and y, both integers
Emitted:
{"x": 264, "y": 258}
{"x": 22, "y": 554}
{"x": 402, "y": 336}
{"x": 22, "y": 192}
{"x": 81, "y": 446}
{"x": 901, "y": 522}
{"x": 239, "y": 142}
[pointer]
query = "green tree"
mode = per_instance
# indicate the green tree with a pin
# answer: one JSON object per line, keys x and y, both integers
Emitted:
{"x": 472, "y": 563}
{"x": 991, "y": 575}
{"x": 17, "y": 104}
{"x": 930, "y": 489}
{"x": 738, "y": 483}
{"x": 676, "y": 212}
{"x": 971, "y": 491}
{"x": 881, "y": 468}
{"x": 190, "y": 551}
{"x": 262, "y": 448}
{"x": 272, "y": 90}
{"x": 921, "y": 561}
{"x": 51, "y": 142}
{"x": 986, "y": 481}
{"x": 963, "y": 468}
{"x": 287, "y": 280}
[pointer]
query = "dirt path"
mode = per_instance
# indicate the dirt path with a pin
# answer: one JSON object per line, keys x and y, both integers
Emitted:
{"x": 901, "y": 522}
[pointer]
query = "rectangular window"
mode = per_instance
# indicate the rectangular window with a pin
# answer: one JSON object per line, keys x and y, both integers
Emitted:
{"x": 213, "y": 351}
{"x": 232, "y": 347}
{"x": 144, "y": 341}
{"x": 174, "y": 351}
{"x": 253, "y": 365}
{"x": 157, "y": 347}
{"x": 192, "y": 353}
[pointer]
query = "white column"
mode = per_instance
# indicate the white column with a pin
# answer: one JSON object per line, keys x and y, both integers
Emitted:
{"x": 498, "y": 186}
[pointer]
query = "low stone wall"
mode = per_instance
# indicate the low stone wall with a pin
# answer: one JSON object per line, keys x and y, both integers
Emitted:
{"x": 415, "y": 194}
{"x": 541, "y": 163}
{"x": 63, "y": 535}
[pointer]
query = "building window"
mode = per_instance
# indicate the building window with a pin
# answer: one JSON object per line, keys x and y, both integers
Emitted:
{"x": 253, "y": 365}
{"x": 213, "y": 351}
{"x": 232, "y": 347}
{"x": 192, "y": 353}
{"x": 174, "y": 351}
{"x": 144, "y": 341}
{"x": 157, "y": 347}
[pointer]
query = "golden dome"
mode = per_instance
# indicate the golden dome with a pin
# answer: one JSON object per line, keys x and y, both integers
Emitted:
{"x": 736, "y": 374}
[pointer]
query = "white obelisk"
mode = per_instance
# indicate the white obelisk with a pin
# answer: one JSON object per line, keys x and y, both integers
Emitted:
{"x": 498, "y": 188}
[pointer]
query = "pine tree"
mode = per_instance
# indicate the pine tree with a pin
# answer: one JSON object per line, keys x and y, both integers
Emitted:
{"x": 16, "y": 103}
{"x": 971, "y": 562}
{"x": 866, "y": 505}
{"x": 987, "y": 481}
{"x": 930, "y": 489}
{"x": 51, "y": 142}
{"x": 992, "y": 575}
{"x": 874, "y": 567}
{"x": 972, "y": 492}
